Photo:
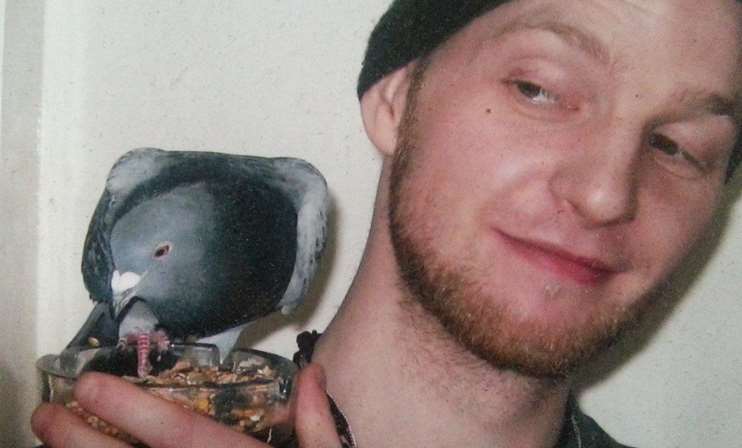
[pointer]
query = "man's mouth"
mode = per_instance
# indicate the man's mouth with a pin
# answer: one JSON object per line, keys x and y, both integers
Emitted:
{"x": 587, "y": 271}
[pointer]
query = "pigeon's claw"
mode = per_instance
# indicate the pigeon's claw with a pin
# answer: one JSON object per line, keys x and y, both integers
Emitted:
{"x": 145, "y": 342}
{"x": 161, "y": 340}
{"x": 122, "y": 344}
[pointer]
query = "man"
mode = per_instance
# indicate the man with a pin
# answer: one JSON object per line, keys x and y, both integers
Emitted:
{"x": 547, "y": 165}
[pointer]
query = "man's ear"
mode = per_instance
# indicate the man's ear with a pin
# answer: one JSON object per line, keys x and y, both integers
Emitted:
{"x": 383, "y": 106}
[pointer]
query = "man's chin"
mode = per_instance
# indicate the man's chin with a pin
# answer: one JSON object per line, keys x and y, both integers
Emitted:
{"x": 527, "y": 348}
{"x": 533, "y": 349}
{"x": 490, "y": 327}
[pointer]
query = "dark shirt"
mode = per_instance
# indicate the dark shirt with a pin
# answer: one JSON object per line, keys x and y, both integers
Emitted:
{"x": 578, "y": 430}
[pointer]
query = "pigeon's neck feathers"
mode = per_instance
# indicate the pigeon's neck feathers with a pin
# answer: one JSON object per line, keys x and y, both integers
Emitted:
{"x": 139, "y": 318}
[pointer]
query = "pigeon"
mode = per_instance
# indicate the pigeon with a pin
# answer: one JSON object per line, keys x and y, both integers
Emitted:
{"x": 187, "y": 246}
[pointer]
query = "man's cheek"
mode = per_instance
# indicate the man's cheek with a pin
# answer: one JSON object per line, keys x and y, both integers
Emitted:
{"x": 671, "y": 242}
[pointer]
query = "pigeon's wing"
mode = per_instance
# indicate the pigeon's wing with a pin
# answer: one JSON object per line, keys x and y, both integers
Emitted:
{"x": 99, "y": 325}
{"x": 97, "y": 260}
{"x": 307, "y": 189}
{"x": 137, "y": 170}
{"x": 129, "y": 175}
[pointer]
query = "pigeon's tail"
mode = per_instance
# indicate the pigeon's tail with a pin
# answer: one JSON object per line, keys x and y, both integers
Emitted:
{"x": 100, "y": 328}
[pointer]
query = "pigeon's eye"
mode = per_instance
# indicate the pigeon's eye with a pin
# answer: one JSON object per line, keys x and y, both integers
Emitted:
{"x": 162, "y": 250}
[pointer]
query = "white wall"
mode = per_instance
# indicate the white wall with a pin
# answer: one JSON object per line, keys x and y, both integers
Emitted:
{"x": 19, "y": 210}
{"x": 268, "y": 78}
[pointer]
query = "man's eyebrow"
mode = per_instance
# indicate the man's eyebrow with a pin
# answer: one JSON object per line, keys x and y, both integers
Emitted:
{"x": 716, "y": 104}
{"x": 720, "y": 105}
{"x": 573, "y": 36}
{"x": 588, "y": 43}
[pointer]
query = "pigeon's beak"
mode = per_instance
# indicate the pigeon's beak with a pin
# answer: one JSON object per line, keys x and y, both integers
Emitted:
{"x": 120, "y": 303}
{"x": 124, "y": 290}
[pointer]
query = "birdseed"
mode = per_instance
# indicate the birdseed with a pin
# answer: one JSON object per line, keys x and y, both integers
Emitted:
{"x": 244, "y": 407}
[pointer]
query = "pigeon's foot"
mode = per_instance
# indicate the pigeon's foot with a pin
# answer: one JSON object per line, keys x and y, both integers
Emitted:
{"x": 161, "y": 341}
{"x": 144, "y": 342}
{"x": 143, "y": 347}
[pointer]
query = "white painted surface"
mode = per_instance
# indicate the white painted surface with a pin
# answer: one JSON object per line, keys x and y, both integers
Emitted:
{"x": 19, "y": 242}
{"x": 275, "y": 78}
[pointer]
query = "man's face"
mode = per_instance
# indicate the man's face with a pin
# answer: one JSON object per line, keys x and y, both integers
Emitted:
{"x": 556, "y": 162}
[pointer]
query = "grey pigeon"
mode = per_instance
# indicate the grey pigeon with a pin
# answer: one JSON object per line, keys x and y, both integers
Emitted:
{"x": 195, "y": 245}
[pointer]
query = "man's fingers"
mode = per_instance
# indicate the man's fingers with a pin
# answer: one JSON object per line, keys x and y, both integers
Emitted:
{"x": 157, "y": 423}
{"x": 314, "y": 425}
{"x": 59, "y": 428}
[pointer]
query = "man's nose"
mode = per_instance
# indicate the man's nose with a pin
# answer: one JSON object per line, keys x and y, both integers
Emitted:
{"x": 600, "y": 182}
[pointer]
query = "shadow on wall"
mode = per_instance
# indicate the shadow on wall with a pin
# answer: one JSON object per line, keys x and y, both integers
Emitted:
{"x": 636, "y": 339}
{"x": 23, "y": 28}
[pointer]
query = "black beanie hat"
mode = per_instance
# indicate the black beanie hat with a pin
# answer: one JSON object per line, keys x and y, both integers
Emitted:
{"x": 411, "y": 29}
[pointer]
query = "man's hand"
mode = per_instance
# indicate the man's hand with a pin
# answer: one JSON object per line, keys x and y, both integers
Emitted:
{"x": 161, "y": 424}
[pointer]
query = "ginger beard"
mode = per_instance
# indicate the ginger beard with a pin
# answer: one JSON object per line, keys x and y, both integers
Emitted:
{"x": 478, "y": 319}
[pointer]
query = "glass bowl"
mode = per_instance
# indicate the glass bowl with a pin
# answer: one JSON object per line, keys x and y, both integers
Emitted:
{"x": 249, "y": 391}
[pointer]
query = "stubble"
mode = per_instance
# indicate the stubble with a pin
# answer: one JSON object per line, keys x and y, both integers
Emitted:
{"x": 450, "y": 291}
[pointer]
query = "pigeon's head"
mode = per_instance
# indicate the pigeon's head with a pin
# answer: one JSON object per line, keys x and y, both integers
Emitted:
{"x": 203, "y": 256}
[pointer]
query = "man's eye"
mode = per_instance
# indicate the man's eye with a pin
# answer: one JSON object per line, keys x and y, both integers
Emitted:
{"x": 535, "y": 93}
{"x": 676, "y": 160}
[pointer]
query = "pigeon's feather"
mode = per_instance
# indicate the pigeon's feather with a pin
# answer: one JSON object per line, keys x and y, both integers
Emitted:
{"x": 97, "y": 263}
{"x": 133, "y": 169}
{"x": 136, "y": 168}
{"x": 309, "y": 193}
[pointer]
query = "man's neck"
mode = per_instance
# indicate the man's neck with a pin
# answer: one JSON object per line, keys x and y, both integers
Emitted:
{"x": 402, "y": 381}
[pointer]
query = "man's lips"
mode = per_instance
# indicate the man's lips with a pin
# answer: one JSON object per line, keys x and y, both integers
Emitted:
{"x": 582, "y": 270}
